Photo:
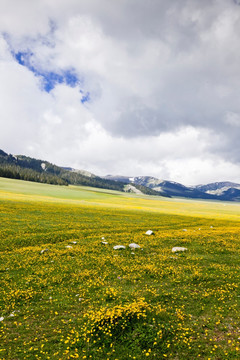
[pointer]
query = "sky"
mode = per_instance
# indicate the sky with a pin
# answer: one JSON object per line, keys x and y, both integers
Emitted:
{"x": 123, "y": 87}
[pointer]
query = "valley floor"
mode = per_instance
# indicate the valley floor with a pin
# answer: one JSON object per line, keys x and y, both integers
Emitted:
{"x": 65, "y": 295}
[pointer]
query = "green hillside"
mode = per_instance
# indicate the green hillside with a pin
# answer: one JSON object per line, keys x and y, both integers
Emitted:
{"x": 30, "y": 169}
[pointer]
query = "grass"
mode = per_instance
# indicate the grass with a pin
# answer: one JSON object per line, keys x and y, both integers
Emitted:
{"x": 79, "y": 195}
{"x": 88, "y": 301}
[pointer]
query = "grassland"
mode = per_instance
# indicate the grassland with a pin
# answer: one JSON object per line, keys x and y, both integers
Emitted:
{"x": 82, "y": 299}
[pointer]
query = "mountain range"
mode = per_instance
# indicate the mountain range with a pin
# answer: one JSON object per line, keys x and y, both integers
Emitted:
{"x": 31, "y": 169}
{"x": 226, "y": 190}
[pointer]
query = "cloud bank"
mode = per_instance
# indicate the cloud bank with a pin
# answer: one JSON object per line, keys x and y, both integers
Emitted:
{"x": 127, "y": 87}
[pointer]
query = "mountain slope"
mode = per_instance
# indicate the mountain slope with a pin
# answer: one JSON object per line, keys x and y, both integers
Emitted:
{"x": 82, "y": 172}
{"x": 169, "y": 188}
{"x": 218, "y": 187}
{"x": 230, "y": 194}
{"x": 224, "y": 190}
{"x": 216, "y": 191}
{"x": 24, "y": 168}
{"x": 27, "y": 168}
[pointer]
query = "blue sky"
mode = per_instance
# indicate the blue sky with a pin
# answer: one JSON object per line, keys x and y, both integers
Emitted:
{"x": 123, "y": 88}
{"x": 49, "y": 79}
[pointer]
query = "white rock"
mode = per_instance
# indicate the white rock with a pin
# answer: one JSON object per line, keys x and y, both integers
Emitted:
{"x": 43, "y": 166}
{"x": 1, "y": 318}
{"x": 178, "y": 248}
{"x": 119, "y": 247}
{"x": 134, "y": 246}
{"x": 43, "y": 251}
{"x": 68, "y": 247}
{"x": 184, "y": 229}
{"x": 104, "y": 242}
{"x": 103, "y": 238}
{"x": 149, "y": 232}
{"x": 74, "y": 242}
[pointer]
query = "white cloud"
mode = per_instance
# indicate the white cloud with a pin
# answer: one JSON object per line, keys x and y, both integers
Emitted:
{"x": 163, "y": 82}
{"x": 21, "y": 106}
{"x": 182, "y": 156}
{"x": 232, "y": 119}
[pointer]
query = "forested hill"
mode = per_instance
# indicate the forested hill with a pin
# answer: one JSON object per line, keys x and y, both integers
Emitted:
{"x": 30, "y": 169}
{"x": 27, "y": 168}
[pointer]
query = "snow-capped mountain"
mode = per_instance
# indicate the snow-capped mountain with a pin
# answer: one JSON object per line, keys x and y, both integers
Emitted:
{"x": 219, "y": 191}
{"x": 218, "y": 188}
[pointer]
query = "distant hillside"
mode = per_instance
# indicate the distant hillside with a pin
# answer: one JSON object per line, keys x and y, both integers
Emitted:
{"x": 140, "y": 189}
{"x": 218, "y": 187}
{"x": 230, "y": 194}
{"x": 226, "y": 191}
{"x": 169, "y": 188}
{"x": 27, "y": 168}
{"x": 82, "y": 172}
{"x": 24, "y": 168}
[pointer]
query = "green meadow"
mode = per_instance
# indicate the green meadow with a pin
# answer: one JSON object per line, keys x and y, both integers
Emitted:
{"x": 66, "y": 295}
